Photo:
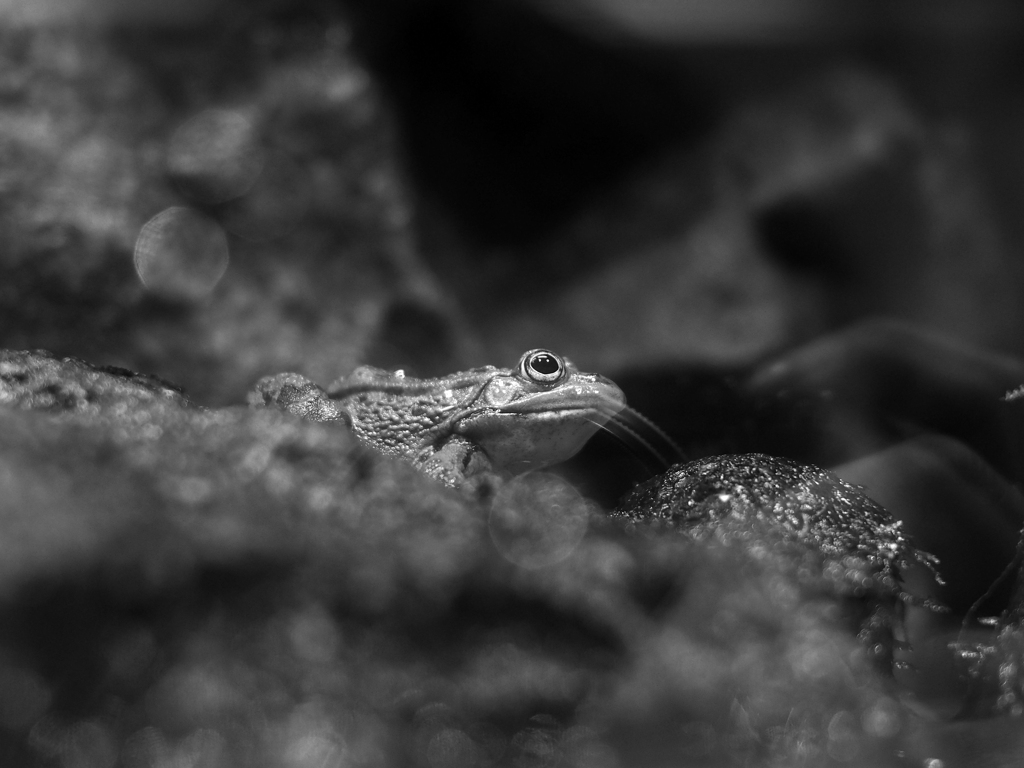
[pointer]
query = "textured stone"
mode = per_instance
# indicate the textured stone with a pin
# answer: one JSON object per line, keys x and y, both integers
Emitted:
{"x": 825, "y": 533}
{"x": 232, "y": 583}
{"x": 39, "y": 381}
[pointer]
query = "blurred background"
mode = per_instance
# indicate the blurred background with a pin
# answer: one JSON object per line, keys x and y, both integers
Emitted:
{"x": 632, "y": 184}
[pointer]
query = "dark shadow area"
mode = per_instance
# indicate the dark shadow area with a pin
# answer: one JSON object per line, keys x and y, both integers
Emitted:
{"x": 513, "y": 121}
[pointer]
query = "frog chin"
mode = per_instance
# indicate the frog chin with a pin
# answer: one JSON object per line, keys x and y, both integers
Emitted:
{"x": 519, "y": 442}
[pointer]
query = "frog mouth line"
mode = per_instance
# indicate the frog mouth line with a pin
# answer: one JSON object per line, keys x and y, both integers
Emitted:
{"x": 599, "y": 400}
{"x": 642, "y": 438}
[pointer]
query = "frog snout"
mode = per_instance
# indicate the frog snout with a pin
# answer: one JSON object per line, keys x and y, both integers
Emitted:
{"x": 610, "y": 390}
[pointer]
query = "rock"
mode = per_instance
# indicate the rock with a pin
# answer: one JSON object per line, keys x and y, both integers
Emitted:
{"x": 224, "y": 583}
{"x": 823, "y": 532}
{"x": 39, "y": 381}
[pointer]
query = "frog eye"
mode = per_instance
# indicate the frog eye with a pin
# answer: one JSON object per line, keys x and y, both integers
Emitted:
{"x": 542, "y": 366}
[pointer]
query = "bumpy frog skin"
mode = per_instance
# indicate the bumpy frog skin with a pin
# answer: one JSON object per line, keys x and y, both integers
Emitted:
{"x": 487, "y": 419}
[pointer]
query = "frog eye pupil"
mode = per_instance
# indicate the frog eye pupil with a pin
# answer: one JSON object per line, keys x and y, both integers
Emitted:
{"x": 545, "y": 364}
{"x": 542, "y": 367}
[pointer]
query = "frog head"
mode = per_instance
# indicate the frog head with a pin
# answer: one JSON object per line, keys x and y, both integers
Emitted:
{"x": 539, "y": 413}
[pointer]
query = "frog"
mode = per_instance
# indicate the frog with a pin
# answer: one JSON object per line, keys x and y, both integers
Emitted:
{"x": 483, "y": 421}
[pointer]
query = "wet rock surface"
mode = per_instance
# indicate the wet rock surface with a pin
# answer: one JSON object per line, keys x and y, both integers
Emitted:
{"x": 823, "y": 532}
{"x": 243, "y": 585}
{"x": 39, "y": 381}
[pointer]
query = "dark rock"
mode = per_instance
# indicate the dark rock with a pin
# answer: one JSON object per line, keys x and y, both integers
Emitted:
{"x": 39, "y": 381}
{"x": 808, "y": 522}
{"x": 239, "y": 582}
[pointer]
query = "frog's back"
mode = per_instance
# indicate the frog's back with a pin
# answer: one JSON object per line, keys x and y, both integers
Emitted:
{"x": 367, "y": 378}
{"x": 401, "y": 415}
